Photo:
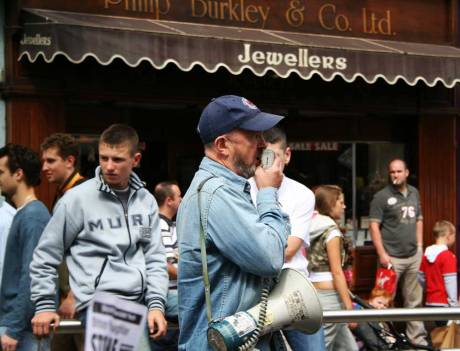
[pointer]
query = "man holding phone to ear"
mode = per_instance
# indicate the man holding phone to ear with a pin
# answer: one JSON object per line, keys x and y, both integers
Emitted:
{"x": 244, "y": 245}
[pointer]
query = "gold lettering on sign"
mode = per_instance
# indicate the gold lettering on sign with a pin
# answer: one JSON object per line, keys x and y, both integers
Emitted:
{"x": 329, "y": 19}
{"x": 301, "y": 58}
{"x": 372, "y": 24}
{"x": 294, "y": 14}
{"x": 230, "y": 10}
{"x": 156, "y": 7}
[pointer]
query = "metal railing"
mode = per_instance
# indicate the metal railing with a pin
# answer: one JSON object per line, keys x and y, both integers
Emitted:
{"x": 392, "y": 315}
{"x": 341, "y": 316}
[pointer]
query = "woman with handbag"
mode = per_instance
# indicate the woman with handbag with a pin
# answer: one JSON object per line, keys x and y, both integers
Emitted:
{"x": 328, "y": 256}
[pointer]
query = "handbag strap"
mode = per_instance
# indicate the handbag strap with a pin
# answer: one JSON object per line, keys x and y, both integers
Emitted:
{"x": 204, "y": 257}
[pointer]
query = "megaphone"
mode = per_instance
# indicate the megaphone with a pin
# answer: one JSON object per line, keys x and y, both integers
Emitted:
{"x": 292, "y": 304}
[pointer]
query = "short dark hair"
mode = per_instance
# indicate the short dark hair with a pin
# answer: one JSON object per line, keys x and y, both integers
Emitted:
{"x": 65, "y": 144}
{"x": 118, "y": 134}
{"x": 21, "y": 157}
{"x": 163, "y": 190}
{"x": 398, "y": 160}
{"x": 276, "y": 135}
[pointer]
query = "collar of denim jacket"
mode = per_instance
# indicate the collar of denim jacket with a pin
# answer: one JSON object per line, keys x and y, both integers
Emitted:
{"x": 219, "y": 170}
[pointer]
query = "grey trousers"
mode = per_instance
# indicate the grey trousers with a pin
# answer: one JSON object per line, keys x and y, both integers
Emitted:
{"x": 407, "y": 270}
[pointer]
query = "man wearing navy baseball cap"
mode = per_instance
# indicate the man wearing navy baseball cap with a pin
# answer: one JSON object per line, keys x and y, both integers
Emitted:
{"x": 243, "y": 246}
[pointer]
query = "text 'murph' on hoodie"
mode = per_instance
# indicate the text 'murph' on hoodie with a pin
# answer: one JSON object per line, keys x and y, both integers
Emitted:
{"x": 105, "y": 248}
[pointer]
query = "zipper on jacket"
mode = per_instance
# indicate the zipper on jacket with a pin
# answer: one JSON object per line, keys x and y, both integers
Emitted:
{"x": 98, "y": 278}
{"x": 125, "y": 212}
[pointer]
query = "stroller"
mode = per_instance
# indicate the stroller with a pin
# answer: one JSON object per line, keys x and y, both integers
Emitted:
{"x": 382, "y": 335}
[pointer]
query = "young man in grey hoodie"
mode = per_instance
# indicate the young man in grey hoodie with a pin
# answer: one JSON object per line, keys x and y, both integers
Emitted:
{"x": 108, "y": 231}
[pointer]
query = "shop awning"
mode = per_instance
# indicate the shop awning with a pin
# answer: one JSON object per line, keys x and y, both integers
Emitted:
{"x": 77, "y": 36}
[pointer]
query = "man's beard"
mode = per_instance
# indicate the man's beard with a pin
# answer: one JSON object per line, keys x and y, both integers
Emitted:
{"x": 243, "y": 169}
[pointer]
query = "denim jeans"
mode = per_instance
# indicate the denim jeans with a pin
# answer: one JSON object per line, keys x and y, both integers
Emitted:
{"x": 29, "y": 342}
{"x": 306, "y": 342}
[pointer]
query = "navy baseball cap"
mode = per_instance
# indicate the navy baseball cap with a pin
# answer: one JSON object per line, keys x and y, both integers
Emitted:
{"x": 228, "y": 112}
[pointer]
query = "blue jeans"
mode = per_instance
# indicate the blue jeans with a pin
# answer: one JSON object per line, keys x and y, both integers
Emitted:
{"x": 29, "y": 342}
{"x": 306, "y": 342}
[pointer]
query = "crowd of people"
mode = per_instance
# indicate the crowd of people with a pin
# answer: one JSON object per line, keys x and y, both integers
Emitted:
{"x": 239, "y": 224}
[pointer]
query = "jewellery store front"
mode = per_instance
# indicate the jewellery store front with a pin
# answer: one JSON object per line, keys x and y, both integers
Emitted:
{"x": 359, "y": 82}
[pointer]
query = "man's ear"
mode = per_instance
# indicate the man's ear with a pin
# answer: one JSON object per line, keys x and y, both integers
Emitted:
{"x": 221, "y": 145}
{"x": 70, "y": 161}
{"x": 18, "y": 175}
{"x": 169, "y": 200}
{"x": 137, "y": 158}
{"x": 287, "y": 154}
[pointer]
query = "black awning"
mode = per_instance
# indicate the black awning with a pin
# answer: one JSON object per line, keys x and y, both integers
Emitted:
{"x": 77, "y": 36}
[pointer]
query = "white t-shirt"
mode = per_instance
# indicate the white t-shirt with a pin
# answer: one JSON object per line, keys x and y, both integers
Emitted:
{"x": 297, "y": 201}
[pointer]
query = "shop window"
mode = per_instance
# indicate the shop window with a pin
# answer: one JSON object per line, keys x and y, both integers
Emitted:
{"x": 360, "y": 169}
{"x": 89, "y": 154}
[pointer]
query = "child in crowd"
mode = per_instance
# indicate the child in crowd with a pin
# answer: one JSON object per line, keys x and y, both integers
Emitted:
{"x": 438, "y": 271}
{"x": 380, "y": 299}
{"x": 375, "y": 336}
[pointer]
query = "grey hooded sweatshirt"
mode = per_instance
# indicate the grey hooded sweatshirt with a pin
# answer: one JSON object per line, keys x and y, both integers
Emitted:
{"x": 106, "y": 248}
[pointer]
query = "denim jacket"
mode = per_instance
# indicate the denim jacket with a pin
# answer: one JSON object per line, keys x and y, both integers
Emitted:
{"x": 244, "y": 245}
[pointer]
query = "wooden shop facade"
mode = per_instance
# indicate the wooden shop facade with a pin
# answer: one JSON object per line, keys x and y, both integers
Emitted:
{"x": 360, "y": 82}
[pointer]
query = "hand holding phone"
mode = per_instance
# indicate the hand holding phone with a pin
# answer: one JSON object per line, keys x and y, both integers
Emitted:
{"x": 270, "y": 172}
{"x": 267, "y": 158}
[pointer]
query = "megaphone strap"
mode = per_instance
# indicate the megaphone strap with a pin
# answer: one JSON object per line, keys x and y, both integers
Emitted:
{"x": 204, "y": 258}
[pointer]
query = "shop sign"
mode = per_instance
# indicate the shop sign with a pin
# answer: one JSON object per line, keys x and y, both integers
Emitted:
{"x": 314, "y": 146}
{"x": 35, "y": 40}
{"x": 379, "y": 19}
{"x": 301, "y": 59}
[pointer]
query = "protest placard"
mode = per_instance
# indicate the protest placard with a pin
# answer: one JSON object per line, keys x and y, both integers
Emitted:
{"x": 114, "y": 324}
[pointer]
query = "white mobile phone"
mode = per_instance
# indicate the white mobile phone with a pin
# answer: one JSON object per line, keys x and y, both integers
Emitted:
{"x": 267, "y": 158}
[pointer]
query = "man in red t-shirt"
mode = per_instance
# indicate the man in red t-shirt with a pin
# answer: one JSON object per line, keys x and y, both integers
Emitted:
{"x": 438, "y": 270}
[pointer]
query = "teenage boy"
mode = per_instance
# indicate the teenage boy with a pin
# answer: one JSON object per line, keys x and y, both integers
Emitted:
{"x": 59, "y": 157}
{"x": 110, "y": 227}
{"x": 19, "y": 174}
{"x": 298, "y": 202}
{"x": 168, "y": 196}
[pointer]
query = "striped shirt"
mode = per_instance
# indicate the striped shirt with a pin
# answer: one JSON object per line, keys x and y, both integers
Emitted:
{"x": 169, "y": 237}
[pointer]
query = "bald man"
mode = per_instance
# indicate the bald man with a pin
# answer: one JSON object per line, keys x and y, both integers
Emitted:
{"x": 396, "y": 226}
